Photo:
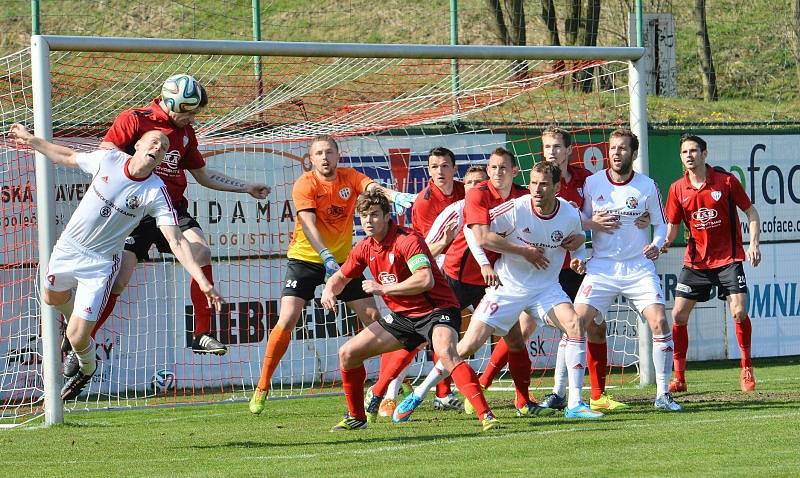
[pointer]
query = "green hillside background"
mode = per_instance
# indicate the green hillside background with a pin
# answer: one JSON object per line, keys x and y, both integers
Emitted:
{"x": 752, "y": 41}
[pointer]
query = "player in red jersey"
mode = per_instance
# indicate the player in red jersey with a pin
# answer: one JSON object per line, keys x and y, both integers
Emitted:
{"x": 181, "y": 156}
{"x": 423, "y": 308}
{"x": 442, "y": 190}
{"x": 705, "y": 199}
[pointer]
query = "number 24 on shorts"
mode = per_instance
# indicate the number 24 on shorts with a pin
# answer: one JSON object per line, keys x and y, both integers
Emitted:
{"x": 292, "y": 284}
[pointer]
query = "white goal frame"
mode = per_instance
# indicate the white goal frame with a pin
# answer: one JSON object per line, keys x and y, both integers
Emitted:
{"x": 42, "y": 45}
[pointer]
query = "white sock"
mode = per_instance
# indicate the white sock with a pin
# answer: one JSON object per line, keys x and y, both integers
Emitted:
{"x": 575, "y": 359}
{"x": 87, "y": 358}
{"x": 394, "y": 385}
{"x": 560, "y": 373}
{"x": 436, "y": 375}
{"x": 662, "y": 361}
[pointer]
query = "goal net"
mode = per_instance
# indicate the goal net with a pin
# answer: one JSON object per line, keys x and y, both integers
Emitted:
{"x": 387, "y": 113}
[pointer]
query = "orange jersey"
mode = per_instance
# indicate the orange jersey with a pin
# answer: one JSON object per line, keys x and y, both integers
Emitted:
{"x": 334, "y": 203}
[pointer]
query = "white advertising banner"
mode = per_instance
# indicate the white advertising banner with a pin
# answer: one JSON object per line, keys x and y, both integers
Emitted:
{"x": 768, "y": 168}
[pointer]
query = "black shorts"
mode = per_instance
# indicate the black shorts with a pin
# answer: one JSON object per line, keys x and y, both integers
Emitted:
{"x": 413, "y": 332}
{"x": 147, "y": 233}
{"x": 467, "y": 294}
{"x": 302, "y": 279}
{"x": 696, "y": 284}
{"x": 570, "y": 281}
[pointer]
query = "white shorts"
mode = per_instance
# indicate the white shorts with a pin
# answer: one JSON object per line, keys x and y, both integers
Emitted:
{"x": 92, "y": 275}
{"x": 598, "y": 290}
{"x": 501, "y": 311}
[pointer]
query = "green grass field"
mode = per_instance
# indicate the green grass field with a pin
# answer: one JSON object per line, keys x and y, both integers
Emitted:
{"x": 721, "y": 432}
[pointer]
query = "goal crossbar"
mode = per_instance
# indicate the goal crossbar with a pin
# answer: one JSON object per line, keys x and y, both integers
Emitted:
{"x": 353, "y": 50}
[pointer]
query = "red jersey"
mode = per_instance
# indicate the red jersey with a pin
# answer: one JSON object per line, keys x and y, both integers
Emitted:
{"x": 393, "y": 260}
{"x": 459, "y": 263}
{"x": 131, "y": 124}
{"x": 430, "y": 202}
{"x": 572, "y": 191}
{"x": 709, "y": 212}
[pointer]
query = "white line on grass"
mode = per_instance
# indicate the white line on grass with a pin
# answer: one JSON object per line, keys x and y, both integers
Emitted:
{"x": 407, "y": 446}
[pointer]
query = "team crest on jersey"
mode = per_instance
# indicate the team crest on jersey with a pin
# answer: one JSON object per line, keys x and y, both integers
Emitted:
{"x": 104, "y": 179}
{"x": 105, "y": 211}
{"x": 557, "y": 236}
{"x": 391, "y": 258}
{"x": 132, "y": 201}
{"x": 632, "y": 202}
{"x": 344, "y": 193}
{"x": 185, "y": 141}
{"x": 715, "y": 195}
{"x": 387, "y": 278}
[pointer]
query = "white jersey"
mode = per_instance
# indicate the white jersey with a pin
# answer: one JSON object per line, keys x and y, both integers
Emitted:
{"x": 115, "y": 203}
{"x": 454, "y": 213}
{"x": 628, "y": 201}
{"x": 518, "y": 222}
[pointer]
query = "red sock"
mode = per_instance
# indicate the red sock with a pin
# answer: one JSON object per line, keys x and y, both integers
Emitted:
{"x": 202, "y": 312}
{"x": 353, "y": 385}
{"x": 596, "y": 362}
{"x": 519, "y": 365}
{"x": 105, "y": 313}
{"x": 498, "y": 360}
{"x": 392, "y": 363}
{"x": 680, "y": 340}
{"x": 443, "y": 388}
{"x": 744, "y": 332}
{"x": 467, "y": 383}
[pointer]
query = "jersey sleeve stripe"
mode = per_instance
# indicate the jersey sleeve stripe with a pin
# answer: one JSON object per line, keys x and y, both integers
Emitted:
{"x": 501, "y": 209}
{"x": 169, "y": 203}
{"x": 660, "y": 204}
{"x": 443, "y": 227}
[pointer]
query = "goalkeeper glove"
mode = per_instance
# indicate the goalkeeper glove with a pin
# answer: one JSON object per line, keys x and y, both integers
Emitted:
{"x": 331, "y": 266}
{"x": 402, "y": 201}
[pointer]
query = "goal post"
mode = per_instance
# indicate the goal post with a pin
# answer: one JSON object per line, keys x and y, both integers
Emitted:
{"x": 417, "y": 109}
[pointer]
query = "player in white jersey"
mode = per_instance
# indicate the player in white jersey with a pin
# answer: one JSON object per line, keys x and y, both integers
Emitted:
{"x": 622, "y": 262}
{"x": 86, "y": 257}
{"x": 544, "y": 221}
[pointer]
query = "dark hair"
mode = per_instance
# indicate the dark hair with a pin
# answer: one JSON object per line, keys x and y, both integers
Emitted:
{"x": 326, "y": 138}
{"x": 441, "y": 151}
{"x": 500, "y": 151}
{"x": 693, "y": 137}
{"x": 633, "y": 140}
{"x": 373, "y": 197}
{"x": 548, "y": 168}
{"x": 477, "y": 168}
{"x": 554, "y": 130}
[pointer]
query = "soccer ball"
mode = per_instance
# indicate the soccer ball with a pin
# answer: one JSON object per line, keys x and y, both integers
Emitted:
{"x": 162, "y": 382}
{"x": 181, "y": 93}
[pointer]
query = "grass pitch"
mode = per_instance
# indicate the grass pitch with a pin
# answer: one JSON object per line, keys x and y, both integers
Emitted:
{"x": 722, "y": 432}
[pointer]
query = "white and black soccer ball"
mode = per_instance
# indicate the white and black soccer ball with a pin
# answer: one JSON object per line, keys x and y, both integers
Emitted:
{"x": 163, "y": 381}
{"x": 181, "y": 93}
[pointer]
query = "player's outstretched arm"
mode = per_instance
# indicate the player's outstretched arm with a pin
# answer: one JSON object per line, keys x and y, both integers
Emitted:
{"x": 401, "y": 201}
{"x": 753, "y": 250}
{"x": 333, "y": 288}
{"x": 182, "y": 251}
{"x": 55, "y": 153}
{"x": 308, "y": 219}
{"x": 421, "y": 280}
{"x": 222, "y": 182}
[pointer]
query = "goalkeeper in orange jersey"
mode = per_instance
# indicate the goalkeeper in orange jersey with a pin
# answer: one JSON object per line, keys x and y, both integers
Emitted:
{"x": 325, "y": 200}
